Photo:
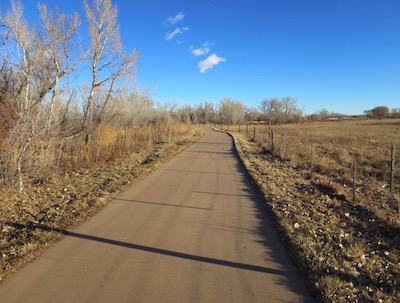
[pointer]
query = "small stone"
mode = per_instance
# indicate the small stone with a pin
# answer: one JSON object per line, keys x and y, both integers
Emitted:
{"x": 296, "y": 225}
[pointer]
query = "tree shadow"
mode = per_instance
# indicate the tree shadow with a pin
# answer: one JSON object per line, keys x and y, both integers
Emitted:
{"x": 195, "y": 171}
{"x": 220, "y": 194}
{"x": 165, "y": 252}
{"x": 162, "y": 204}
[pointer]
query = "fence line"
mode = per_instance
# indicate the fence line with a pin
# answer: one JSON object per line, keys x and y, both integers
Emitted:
{"x": 359, "y": 165}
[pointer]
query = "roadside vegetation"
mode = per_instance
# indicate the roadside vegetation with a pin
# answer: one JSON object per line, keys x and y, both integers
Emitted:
{"x": 349, "y": 249}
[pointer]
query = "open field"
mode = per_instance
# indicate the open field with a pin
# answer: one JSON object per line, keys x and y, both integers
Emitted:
{"x": 349, "y": 250}
{"x": 337, "y": 147}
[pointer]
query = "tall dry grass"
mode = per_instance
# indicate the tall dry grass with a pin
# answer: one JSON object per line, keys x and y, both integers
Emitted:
{"x": 54, "y": 155}
{"x": 338, "y": 147}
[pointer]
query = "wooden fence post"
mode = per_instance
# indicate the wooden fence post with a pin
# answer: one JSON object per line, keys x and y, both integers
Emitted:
{"x": 254, "y": 136}
{"x": 354, "y": 179}
{"x": 312, "y": 156}
{"x": 392, "y": 167}
{"x": 284, "y": 145}
{"x": 272, "y": 143}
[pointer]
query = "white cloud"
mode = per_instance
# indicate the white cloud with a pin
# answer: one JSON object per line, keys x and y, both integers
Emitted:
{"x": 171, "y": 35}
{"x": 210, "y": 62}
{"x": 205, "y": 49}
{"x": 176, "y": 19}
{"x": 177, "y": 31}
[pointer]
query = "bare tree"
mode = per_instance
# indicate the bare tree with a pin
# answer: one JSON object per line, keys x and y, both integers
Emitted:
{"x": 380, "y": 112}
{"x": 272, "y": 110}
{"x": 108, "y": 61}
{"x": 36, "y": 62}
{"x": 205, "y": 112}
{"x": 59, "y": 31}
{"x": 231, "y": 112}
{"x": 289, "y": 107}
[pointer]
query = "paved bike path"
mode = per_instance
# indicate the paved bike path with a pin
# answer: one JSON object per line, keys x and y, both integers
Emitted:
{"x": 193, "y": 231}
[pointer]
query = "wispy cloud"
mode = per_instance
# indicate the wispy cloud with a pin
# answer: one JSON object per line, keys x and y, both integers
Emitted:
{"x": 176, "y": 32}
{"x": 174, "y": 20}
{"x": 210, "y": 62}
{"x": 171, "y": 35}
{"x": 204, "y": 50}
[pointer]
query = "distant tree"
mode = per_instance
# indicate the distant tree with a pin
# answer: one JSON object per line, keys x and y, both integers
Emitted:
{"x": 380, "y": 112}
{"x": 252, "y": 114}
{"x": 395, "y": 113}
{"x": 289, "y": 107}
{"x": 231, "y": 112}
{"x": 272, "y": 109}
{"x": 205, "y": 112}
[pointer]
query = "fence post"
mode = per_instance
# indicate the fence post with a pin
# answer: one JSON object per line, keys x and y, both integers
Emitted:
{"x": 272, "y": 143}
{"x": 254, "y": 136}
{"x": 392, "y": 167}
{"x": 354, "y": 179}
{"x": 312, "y": 156}
{"x": 284, "y": 145}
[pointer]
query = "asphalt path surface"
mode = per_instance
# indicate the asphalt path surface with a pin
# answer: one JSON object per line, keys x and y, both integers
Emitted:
{"x": 193, "y": 231}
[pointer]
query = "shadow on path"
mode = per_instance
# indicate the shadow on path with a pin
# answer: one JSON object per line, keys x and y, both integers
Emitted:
{"x": 162, "y": 204}
{"x": 170, "y": 253}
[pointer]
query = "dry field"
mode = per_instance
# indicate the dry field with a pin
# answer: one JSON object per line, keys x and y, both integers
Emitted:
{"x": 337, "y": 147}
{"x": 349, "y": 250}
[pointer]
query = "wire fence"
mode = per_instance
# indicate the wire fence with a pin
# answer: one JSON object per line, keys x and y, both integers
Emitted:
{"x": 361, "y": 157}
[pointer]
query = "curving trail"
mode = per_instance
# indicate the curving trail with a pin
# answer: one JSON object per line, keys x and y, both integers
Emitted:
{"x": 193, "y": 231}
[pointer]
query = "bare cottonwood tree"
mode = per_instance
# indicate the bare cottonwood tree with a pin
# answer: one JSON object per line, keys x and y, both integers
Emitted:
{"x": 107, "y": 59}
{"x": 59, "y": 38}
{"x": 272, "y": 110}
{"x": 289, "y": 107}
{"x": 231, "y": 111}
{"x": 38, "y": 60}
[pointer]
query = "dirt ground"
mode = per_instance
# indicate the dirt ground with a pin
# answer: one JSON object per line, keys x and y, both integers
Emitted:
{"x": 348, "y": 254}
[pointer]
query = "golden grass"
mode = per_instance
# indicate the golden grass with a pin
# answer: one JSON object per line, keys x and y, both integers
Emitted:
{"x": 336, "y": 145}
{"x": 108, "y": 143}
{"x": 46, "y": 156}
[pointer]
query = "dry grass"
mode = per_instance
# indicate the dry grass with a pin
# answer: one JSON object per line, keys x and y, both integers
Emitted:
{"x": 51, "y": 154}
{"x": 346, "y": 252}
{"x": 337, "y": 146}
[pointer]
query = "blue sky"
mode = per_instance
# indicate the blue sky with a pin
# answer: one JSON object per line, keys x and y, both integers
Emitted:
{"x": 342, "y": 55}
